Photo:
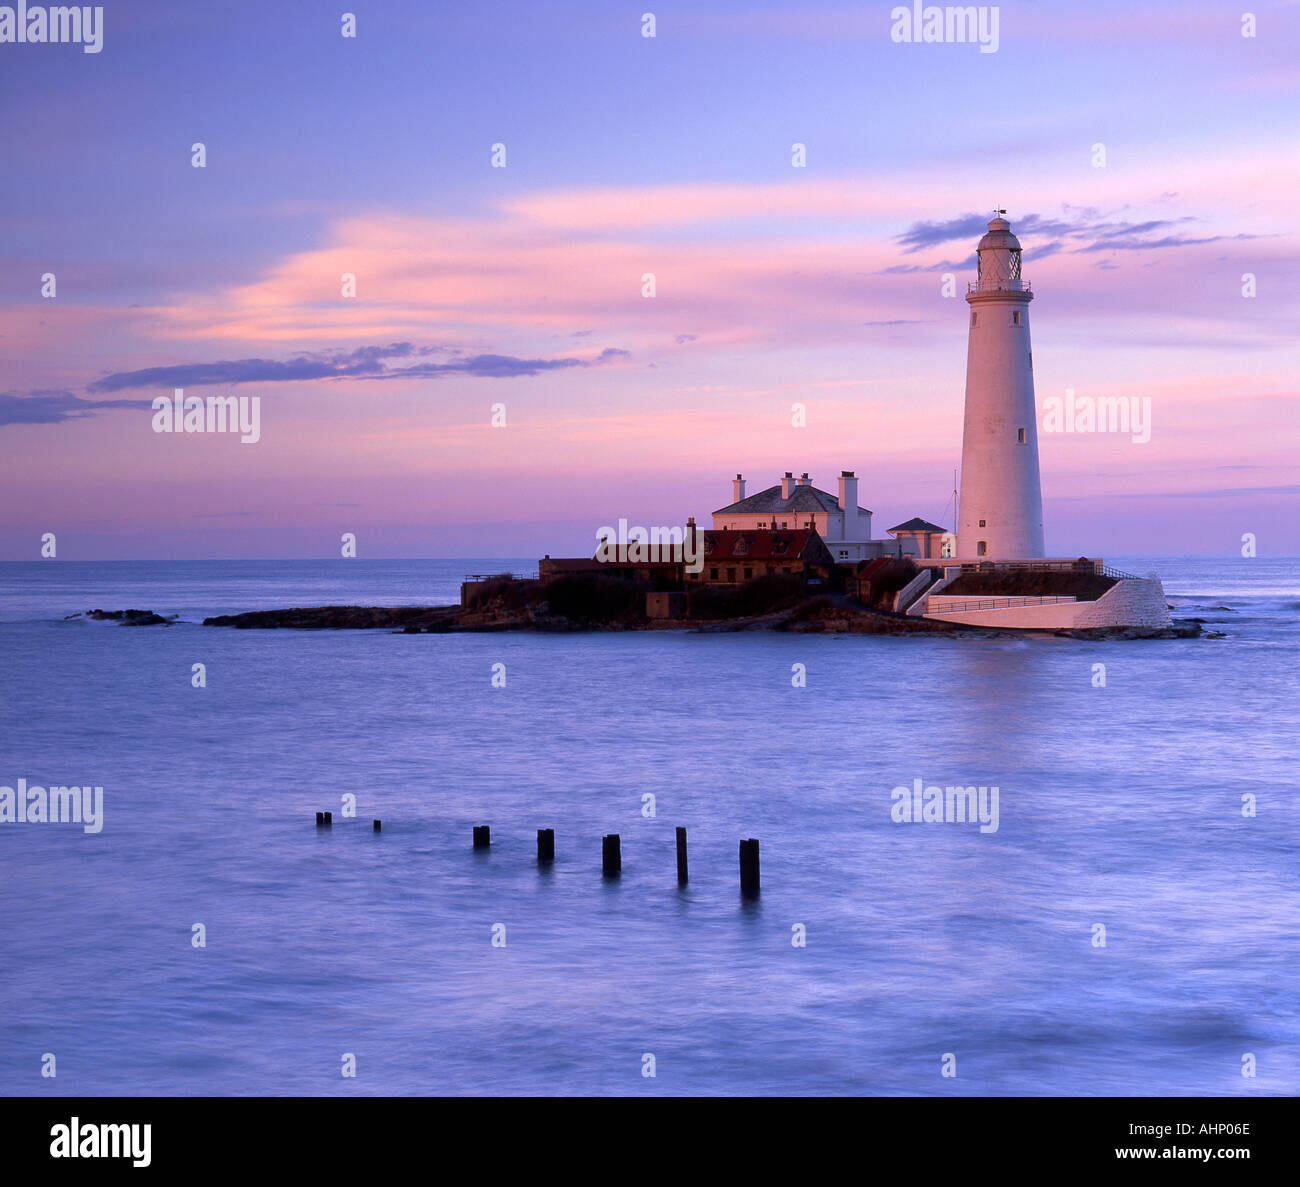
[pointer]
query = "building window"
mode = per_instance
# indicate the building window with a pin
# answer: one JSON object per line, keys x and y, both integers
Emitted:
{"x": 731, "y": 574}
{"x": 982, "y": 523}
{"x": 844, "y": 552}
{"x": 748, "y": 574}
{"x": 1015, "y": 317}
{"x": 1020, "y": 436}
{"x": 713, "y": 574}
{"x": 982, "y": 548}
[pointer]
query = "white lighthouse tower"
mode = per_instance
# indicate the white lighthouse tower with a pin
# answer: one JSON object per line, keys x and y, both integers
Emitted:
{"x": 1001, "y": 505}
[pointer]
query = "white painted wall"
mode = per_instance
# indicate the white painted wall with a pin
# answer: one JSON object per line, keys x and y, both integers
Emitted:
{"x": 999, "y": 473}
{"x": 1134, "y": 601}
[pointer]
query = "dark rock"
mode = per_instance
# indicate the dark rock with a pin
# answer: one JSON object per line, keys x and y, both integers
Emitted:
{"x": 127, "y": 617}
{"x": 404, "y": 619}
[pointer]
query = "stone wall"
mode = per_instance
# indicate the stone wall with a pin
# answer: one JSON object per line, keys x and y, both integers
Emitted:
{"x": 1134, "y": 601}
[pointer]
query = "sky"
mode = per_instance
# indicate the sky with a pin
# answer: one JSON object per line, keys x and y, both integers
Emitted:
{"x": 1148, "y": 158}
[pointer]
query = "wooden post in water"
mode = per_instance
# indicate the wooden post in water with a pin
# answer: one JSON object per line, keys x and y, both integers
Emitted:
{"x": 681, "y": 856}
{"x": 545, "y": 844}
{"x": 320, "y": 819}
{"x": 749, "y": 867}
{"x": 482, "y": 836}
{"x": 611, "y": 859}
{"x": 376, "y": 826}
{"x": 329, "y": 818}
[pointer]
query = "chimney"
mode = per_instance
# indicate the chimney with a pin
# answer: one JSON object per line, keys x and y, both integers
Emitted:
{"x": 804, "y": 480}
{"x": 787, "y": 484}
{"x": 849, "y": 501}
{"x": 738, "y": 488}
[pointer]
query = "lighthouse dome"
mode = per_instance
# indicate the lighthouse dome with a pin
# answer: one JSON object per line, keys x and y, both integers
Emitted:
{"x": 999, "y": 235}
{"x": 997, "y": 259}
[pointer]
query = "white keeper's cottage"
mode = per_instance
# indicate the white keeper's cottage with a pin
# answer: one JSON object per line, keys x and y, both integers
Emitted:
{"x": 797, "y": 503}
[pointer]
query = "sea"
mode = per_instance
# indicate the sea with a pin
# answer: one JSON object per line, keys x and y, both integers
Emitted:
{"x": 1130, "y": 927}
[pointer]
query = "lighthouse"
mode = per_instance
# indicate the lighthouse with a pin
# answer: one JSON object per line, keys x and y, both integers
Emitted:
{"x": 1001, "y": 504}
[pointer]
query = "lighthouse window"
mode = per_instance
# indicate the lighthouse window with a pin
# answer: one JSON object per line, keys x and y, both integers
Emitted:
{"x": 982, "y": 548}
{"x": 1020, "y": 436}
{"x": 1015, "y": 317}
{"x": 982, "y": 524}
{"x": 973, "y": 316}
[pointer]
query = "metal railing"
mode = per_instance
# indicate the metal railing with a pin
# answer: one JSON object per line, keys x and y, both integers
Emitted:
{"x": 1004, "y": 285}
{"x": 499, "y": 576}
{"x": 1063, "y": 566}
{"x": 938, "y": 605}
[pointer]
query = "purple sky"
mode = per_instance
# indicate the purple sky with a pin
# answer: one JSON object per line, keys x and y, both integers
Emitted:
{"x": 522, "y": 286}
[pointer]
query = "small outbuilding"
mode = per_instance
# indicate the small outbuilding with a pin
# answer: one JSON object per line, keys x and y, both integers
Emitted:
{"x": 921, "y": 539}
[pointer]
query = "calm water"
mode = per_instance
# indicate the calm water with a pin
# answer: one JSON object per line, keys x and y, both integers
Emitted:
{"x": 1119, "y": 806}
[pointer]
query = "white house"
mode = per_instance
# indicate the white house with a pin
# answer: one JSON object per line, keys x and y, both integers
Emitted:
{"x": 796, "y": 503}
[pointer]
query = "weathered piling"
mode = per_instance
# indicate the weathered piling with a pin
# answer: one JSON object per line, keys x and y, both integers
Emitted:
{"x": 611, "y": 858}
{"x": 749, "y": 867}
{"x": 545, "y": 844}
{"x": 320, "y": 819}
{"x": 376, "y": 825}
{"x": 482, "y": 836}
{"x": 681, "y": 856}
{"x": 329, "y": 818}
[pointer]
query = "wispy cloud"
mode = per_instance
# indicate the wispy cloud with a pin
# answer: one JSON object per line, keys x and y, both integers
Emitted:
{"x": 43, "y": 407}
{"x": 1088, "y": 231}
{"x": 367, "y": 362}
{"x": 929, "y": 234}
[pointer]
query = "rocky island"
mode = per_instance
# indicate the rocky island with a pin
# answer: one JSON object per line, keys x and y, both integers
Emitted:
{"x": 583, "y": 602}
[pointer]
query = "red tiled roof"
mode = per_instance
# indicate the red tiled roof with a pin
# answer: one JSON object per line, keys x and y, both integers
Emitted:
{"x": 758, "y": 545}
{"x": 589, "y": 564}
{"x": 569, "y": 564}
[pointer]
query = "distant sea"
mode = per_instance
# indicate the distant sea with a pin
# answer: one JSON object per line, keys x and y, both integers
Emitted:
{"x": 1120, "y": 820}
